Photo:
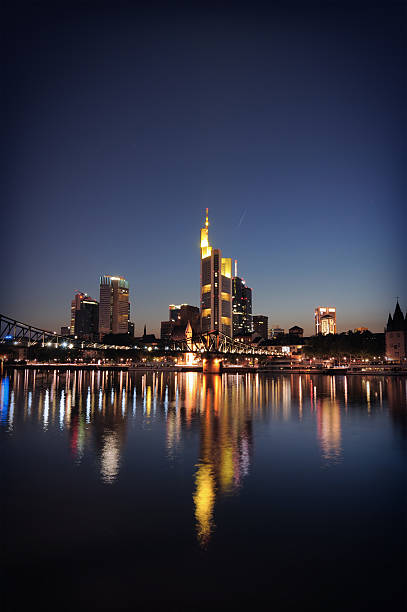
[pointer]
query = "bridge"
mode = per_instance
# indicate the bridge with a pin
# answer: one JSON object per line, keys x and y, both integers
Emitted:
{"x": 212, "y": 347}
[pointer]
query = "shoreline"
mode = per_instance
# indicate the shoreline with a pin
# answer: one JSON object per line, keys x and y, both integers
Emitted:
{"x": 228, "y": 370}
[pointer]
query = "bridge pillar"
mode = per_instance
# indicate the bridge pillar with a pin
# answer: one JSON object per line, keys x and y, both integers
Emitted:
{"x": 212, "y": 365}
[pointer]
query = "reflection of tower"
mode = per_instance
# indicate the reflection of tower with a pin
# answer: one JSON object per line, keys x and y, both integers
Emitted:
{"x": 397, "y": 399}
{"x": 225, "y": 451}
{"x": 329, "y": 429}
{"x": 109, "y": 427}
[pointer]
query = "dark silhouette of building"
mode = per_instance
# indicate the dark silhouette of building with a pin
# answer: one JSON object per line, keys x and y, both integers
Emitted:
{"x": 296, "y": 331}
{"x": 260, "y": 326}
{"x": 179, "y": 316}
{"x": 86, "y": 317}
{"x": 396, "y": 335}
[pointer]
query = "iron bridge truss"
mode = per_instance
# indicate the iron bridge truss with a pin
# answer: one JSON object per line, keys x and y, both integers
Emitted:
{"x": 16, "y": 332}
{"x": 214, "y": 342}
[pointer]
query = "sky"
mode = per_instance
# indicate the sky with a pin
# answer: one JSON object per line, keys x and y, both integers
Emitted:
{"x": 124, "y": 121}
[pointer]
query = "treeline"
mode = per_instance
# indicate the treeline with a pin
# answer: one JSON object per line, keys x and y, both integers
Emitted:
{"x": 365, "y": 345}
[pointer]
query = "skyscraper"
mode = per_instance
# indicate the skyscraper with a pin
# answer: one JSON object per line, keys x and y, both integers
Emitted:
{"x": 114, "y": 305}
{"x": 87, "y": 319}
{"x": 216, "y": 287}
{"x": 325, "y": 320}
{"x": 241, "y": 306}
{"x": 261, "y": 326}
{"x": 179, "y": 316}
{"x": 75, "y": 306}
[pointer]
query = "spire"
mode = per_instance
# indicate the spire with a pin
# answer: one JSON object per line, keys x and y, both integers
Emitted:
{"x": 235, "y": 267}
{"x": 398, "y": 318}
{"x": 389, "y": 323}
{"x": 206, "y": 249}
{"x": 145, "y": 331}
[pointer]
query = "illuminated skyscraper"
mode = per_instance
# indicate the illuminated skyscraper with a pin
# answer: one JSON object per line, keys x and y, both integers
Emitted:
{"x": 216, "y": 287}
{"x": 241, "y": 306}
{"x": 75, "y": 306}
{"x": 325, "y": 320}
{"x": 114, "y": 305}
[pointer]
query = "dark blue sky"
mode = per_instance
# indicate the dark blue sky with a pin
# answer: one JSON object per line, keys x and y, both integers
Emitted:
{"x": 124, "y": 122}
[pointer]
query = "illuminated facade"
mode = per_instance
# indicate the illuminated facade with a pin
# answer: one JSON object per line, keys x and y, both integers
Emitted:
{"x": 113, "y": 306}
{"x": 75, "y": 306}
{"x": 216, "y": 287}
{"x": 325, "y": 320}
{"x": 241, "y": 306}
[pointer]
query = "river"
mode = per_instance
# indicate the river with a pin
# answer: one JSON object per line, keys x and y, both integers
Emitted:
{"x": 126, "y": 490}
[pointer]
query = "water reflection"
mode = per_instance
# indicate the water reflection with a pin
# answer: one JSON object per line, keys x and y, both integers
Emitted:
{"x": 93, "y": 412}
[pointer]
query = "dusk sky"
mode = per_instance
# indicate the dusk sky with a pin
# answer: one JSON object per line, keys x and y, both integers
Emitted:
{"x": 124, "y": 122}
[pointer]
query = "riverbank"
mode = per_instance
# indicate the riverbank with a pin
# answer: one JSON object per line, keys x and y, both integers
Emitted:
{"x": 232, "y": 369}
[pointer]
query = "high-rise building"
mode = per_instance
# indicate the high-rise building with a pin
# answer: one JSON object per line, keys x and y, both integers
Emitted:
{"x": 167, "y": 328}
{"x": 216, "y": 287}
{"x": 241, "y": 306}
{"x": 296, "y": 330}
{"x": 276, "y": 331}
{"x": 325, "y": 320}
{"x": 75, "y": 306}
{"x": 174, "y": 312}
{"x": 114, "y": 305}
{"x": 261, "y": 326}
{"x": 180, "y": 315}
{"x": 87, "y": 319}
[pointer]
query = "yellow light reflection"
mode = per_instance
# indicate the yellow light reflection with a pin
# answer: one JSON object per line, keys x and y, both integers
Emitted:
{"x": 204, "y": 499}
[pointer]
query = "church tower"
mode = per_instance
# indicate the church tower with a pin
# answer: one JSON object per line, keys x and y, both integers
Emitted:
{"x": 396, "y": 335}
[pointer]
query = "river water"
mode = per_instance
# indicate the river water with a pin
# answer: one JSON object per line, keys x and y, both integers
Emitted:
{"x": 189, "y": 491}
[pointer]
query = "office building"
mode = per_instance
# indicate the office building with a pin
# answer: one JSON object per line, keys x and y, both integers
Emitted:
{"x": 174, "y": 312}
{"x": 182, "y": 313}
{"x": 216, "y": 287}
{"x": 325, "y": 320}
{"x": 179, "y": 316}
{"x": 276, "y": 331}
{"x": 114, "y": 305}
{"x": 75, "y": 306}
{"x": 241, "y": 306}
{"x": 296, "y": 330}
{"x": 261, "y": 326}
{"x": 87, "y": 319}
{"x": 166, "y": 329}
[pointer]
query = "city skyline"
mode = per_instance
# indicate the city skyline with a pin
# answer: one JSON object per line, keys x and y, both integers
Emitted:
{"x": 308, "y": 325}
{"x": 273, "y": 119}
